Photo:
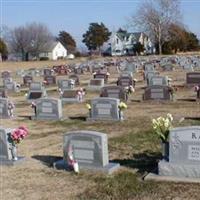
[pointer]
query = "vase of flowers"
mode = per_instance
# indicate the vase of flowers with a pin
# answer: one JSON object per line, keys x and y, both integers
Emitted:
{"x": 162, "y": 127}
{"x": 122, "y": 106}
{"x": 17, "y": 135}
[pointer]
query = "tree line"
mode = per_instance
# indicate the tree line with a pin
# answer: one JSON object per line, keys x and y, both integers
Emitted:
{"x": 159, "y": 19}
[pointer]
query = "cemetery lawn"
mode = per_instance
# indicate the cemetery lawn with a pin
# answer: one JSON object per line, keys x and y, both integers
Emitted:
{"x": 131, "y": 143}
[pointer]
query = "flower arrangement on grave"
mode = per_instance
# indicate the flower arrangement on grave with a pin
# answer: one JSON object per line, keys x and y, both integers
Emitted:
{"x": 88, "y": 106}
{"x": 71, "y": 161}
{"x": 11, "y": 107}
{"x": 18, "y": 134}
{"x": 162, "y": 126}
{"x": 122, "y": 106}
{"x": 80, "y": 94}
{"x": 197, "y": 88}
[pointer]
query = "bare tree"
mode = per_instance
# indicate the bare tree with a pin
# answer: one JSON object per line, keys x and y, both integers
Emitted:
{"x": 29, "y": 39}
{"x": 155, "y": 17}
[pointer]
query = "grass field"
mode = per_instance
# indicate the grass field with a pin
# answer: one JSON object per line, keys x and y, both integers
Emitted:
{"x": 131, "y": 143}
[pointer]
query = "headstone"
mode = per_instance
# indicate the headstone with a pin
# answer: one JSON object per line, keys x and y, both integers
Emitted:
{"x": 64, "y": 84}
{"x": 157, "y": 92}
{"x": 167, "y": 67}
{"x": 50, "y": 80}
{"x": 105, "y": 108}
{"x": 47, "y": 72}
{"x": 36, "y": 91}
{"x": 158, "y": 80}
{"x": 48, "y": 109}
{"x": 75, "y": 78}
{"x": 193, "y": 78}
{"x": 90, "y": 150}
{"x": 3, "y": 93}
{"x": 101, "y": 76}
{"x": 78, "y": 70}
{"x": 125, "y": 81}
{"x": 5, "y": 75}
{"x": 6, "y": 148}
{"x": 96, "y": 84}
{"x": 184, "y": 153}
{"x": 70, "y": 96}
{"x": 4, "y": 108}
{"x": 114, "y": 92}
{"x": 27, "y": 80}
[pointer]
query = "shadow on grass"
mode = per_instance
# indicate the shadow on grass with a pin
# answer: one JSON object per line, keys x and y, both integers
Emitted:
{"x": 81, "y": 118}
{"x": 187, "y": 100}
{"x": 47, "y": 160}
{"x": 25, "y": 116}
{"x": 144, "y": 162}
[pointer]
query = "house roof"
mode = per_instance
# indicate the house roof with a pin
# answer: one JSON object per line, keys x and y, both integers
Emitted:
{"x": 50, "y": 46}
{"x": 122, "y": 34}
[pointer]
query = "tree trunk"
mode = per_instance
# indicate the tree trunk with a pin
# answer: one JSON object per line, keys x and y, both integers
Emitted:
{"x": 159, "y": 40}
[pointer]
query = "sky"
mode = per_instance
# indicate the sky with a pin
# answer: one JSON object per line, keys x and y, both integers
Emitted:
{"x": 74, "y": 16}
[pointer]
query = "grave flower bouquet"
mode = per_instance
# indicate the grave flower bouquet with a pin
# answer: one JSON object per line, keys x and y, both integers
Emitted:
{"x": 122, "y": 106}
{"x": 197, "y": 88}
{"x": 18, "y": 134}
{"x": 162, "y": 126}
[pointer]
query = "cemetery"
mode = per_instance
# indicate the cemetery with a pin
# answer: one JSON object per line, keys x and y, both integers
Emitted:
{"x": 94, "y": 137}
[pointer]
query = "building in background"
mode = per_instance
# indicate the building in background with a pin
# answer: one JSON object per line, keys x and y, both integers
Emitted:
{"x": 124, "y": 43}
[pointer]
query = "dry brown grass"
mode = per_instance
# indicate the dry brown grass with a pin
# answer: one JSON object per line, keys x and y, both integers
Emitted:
{"x": 130, "y": 142}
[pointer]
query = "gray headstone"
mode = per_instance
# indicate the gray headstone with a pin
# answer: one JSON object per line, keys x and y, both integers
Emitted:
{"x": 70, "y": 96}
{"x": 157, "y": 92}
{"x": 158, "y": 80}
{"x": 4, "y": 113}
{"x": 90, "y": 150}
{"x": 65, "y": 84}
{"x": 48, "y": 108}
{"x": 193, "y": 78}
{"x": 50, "y": 80}
{"x": 114, "y": 92}
{"x": 184, "y": 153}
{"x": 96, "y": 84}
{"x": 27, "y": 80}
{"x": 36, "y": 91}
{"x": 105, "y": 109}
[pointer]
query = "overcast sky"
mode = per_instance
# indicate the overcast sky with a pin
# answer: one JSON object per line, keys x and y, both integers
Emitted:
{"x": 74, "y": 16}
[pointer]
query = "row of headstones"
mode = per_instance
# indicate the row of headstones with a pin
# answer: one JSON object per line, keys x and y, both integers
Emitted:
{"x": 90, "y": 150}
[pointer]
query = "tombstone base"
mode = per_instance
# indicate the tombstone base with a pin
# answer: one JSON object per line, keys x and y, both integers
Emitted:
{"x": 11, "y": 162}
{"x": 108, "y": 169}
{"x": 176, "y": 170}
{"x": 105, "y": 119}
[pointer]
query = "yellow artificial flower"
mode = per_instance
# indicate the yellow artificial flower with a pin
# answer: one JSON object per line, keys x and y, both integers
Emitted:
{"x": 122, "y": 105}
{"x": 88, "y": 106}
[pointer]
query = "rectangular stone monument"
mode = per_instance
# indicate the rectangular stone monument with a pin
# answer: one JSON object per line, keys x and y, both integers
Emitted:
{"x": 70, "y": 96}
{"x": 48, "y": 109}
{"x": 27, "y": 80}
{"x": 101, "y": 76}
{"x": 184, "y": 153}
{"x": 90, "y": 150}
{"x": 47, "y": 72}
{"x": 6, "y": 148}
{"x": 50, "y": 80}
{"x": 158, "y": 80}
{"x": 5, "y": 75}
{"x": 125, "y": 81}
{"x": 193, "y": 78}
{"x": 4, "y": 112}
{"x": 105, "y": 109}
{"x": 64, "y": 84}
{"x": 157, "y": 92}
{"x": 36, "y": 91}
{"x": 3, "y": 93}
{"x": 96, "y": 84}
{"x": 114, "y": 92}
{"x": 149, "y": 67}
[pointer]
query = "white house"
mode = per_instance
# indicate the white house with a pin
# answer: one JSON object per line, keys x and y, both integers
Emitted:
{"x": 122, "y": 43}
{"x": 54, "y": 51}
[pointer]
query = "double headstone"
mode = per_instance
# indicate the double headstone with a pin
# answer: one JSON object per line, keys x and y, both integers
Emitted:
{"x": 193, "y": 78}
{"x": 89, "y": 149}
{"x": 48, "y": 109}
{"x": 114, "y": 92}
{"x": 184, "y": 154}
{"x": 96, "y": 84}
{"x": 158, "y": 92}
{"x": 105, "y": 109}
{"x": 158, "y": 80}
